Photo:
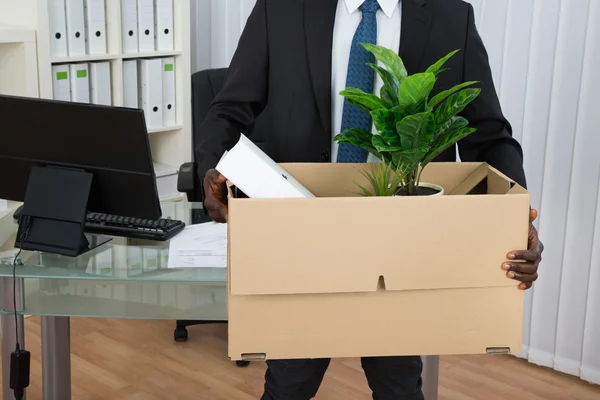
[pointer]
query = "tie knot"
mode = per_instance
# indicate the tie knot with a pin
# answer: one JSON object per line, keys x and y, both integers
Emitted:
{"x": 369, "y": 6}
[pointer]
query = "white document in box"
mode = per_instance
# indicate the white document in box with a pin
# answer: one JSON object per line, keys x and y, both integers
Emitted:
{"x": 258, "y": 176}
{"x": 199, "y": 246}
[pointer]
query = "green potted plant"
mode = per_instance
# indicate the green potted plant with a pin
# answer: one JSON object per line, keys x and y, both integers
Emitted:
{"x": 412, "y": 127}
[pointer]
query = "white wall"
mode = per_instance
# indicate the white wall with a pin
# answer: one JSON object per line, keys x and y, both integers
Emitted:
{"x": 544, "y": 55}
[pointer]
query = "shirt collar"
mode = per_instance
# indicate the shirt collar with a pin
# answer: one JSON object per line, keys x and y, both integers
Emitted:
{"x": 388, "y": 6}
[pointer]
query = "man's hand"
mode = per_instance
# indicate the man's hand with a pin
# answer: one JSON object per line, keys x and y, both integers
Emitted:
{"x": 215, "y": 190}
{"x": 526, "y": 262}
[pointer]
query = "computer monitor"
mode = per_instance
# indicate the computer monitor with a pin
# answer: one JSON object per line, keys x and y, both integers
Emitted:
{"x": 64, "y": 159}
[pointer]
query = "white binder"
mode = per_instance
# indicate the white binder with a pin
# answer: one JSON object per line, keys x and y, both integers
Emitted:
{"x": 95, "y": 23}
{"x": 145, "y": 15}
{"x": 80, "y": 84}
{"x": 168, "y": 96}
{"x": 100, "y": 83}
{"x": 75, "y": 27}
{"x": 61, "y": 83}
{"x": 164, "y": 24}
{"x": 130, "y": 84}
{"x": 58, "y": 28}
{"x": 129, "y": 26}
{"x": 252, "y": 171}
{"x": 150, "y": 78}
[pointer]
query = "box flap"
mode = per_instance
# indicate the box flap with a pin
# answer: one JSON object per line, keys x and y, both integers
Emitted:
{"x": 517, "y": 189}
{"x": 471, "y": 182}
{"x": 498, "y": 183}
{"x": 341, "y": 245}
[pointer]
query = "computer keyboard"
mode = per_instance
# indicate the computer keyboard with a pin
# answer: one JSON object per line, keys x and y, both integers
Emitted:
{"x": 135, "y": 228}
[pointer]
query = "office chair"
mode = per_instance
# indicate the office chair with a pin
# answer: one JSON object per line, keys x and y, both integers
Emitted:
{"x": 205, "y": 86}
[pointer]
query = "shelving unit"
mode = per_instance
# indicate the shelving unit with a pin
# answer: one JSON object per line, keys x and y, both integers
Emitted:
{"x": 18, "y": 61}
{"x": 171, "y": 145}
{"x": 95, "y": 57}
{"x": 155, "y": 54}
{"x": 18, "y": 71}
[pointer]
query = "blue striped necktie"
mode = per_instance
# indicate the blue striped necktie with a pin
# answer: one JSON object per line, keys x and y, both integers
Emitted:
{"x": 360, "y": 76}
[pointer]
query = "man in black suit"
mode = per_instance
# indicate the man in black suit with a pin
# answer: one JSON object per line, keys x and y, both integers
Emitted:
{"x": 292, "y": 59}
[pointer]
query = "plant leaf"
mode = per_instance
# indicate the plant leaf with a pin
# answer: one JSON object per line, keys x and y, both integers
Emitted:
{"x": 398, "y": 178}
{"x": 408, "y": 164}
{"x": 357, "y": 137}
{"x": 414, "y": 92}
{"x": 374, "y": 176}
{"x": 437, "y": 67}
{"x": 408, "y": 160}
{"x": 384, "y": 120}
{"x": 454, "y": 104}
{"x": 445, "y": 142}
{"x": 450, "y": 128}
{"x": 389, "y": 58}
{"x": 385, "y": 123}
{"x": 365, "y": 101}
{"x": 385, "y": 156}
{"x": 399, "y": 112}
{"x": 383, "y": 179}
{"x": 416, "y": 131}
{"x": 388, "y": 98}
{"x": 382, "y": 146}
{"x": 389, "y": 90}
{"x": 437, "y": 99}
{"x": 370, "y": 178}
{"x": 365, "y": 192}
{"x": 354, "y": 135}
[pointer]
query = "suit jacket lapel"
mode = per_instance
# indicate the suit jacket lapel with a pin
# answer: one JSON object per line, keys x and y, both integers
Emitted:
{"x": 319, "y": 20}
{"x": 416, "y": 21}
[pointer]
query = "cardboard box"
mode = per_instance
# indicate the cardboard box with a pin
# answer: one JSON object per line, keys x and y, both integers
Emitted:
{"x": 342, "y": 275}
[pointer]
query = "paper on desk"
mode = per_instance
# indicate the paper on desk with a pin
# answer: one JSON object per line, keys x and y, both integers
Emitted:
{"x": 257, "y": 175}
{"x": 199, "y": 246}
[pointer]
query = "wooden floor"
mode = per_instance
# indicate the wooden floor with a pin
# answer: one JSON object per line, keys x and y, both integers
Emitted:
{"x": 138, "y": 360}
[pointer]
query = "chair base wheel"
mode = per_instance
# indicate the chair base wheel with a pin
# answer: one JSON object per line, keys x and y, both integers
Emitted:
{"x": 242, "y": 364}
{"x": 181, "y": 334}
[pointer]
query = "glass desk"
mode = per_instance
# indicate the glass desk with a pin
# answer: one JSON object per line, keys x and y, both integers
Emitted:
{"x": 124, "y": 278}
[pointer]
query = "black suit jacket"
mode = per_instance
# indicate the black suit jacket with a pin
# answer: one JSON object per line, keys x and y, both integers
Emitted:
{"x": 282, "y": 69}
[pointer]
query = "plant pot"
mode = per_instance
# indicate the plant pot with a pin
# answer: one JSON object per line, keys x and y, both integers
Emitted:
{"x": 425, "y": 189}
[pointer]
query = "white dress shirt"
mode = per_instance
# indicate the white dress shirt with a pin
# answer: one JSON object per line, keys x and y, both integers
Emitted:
{"x": 347, "y": 19}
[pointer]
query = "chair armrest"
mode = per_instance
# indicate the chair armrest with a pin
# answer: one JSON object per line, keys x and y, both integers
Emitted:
{"x": 187, "y": 181}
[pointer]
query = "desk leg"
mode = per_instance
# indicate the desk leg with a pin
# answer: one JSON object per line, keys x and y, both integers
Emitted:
{"x": 8, "y": 329}
{"x": 431, "y": 370}
{"x": 56, "y": 358}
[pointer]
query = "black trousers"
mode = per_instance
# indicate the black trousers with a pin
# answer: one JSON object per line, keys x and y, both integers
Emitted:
{"x": 390, "y": 378}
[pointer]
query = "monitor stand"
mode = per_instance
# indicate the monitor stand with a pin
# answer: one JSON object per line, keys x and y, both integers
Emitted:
{"x": 53, "y": 216}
